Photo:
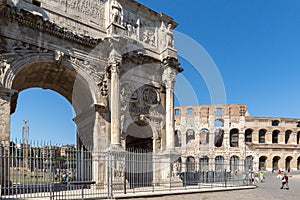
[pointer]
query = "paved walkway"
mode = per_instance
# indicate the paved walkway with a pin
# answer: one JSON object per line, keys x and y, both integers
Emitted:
{"x": 270, "y": 190}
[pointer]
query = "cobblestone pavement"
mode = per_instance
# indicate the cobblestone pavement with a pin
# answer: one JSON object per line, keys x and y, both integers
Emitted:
{"x": 269, "y": 190}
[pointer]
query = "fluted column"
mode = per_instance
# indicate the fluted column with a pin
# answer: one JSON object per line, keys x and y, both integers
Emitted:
{"x": 114, "y": 64}
{"x": 169, "y": 82}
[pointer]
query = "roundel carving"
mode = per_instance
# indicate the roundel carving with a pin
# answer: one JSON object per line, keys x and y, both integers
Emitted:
{"x": 150, "y": 96}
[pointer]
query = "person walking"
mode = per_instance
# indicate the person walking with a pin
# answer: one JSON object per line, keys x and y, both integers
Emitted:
{"x": 285, "y": 182}
{"x": 261, "y": 176}
{"x": 279, "y": 174}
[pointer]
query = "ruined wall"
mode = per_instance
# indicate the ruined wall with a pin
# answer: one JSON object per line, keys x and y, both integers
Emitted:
{"x": 229, "y": 130}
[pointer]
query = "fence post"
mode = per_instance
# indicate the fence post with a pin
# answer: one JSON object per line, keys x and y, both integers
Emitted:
{"x": 51, "y": 174}
{"x": 225, "y": 178}
{"x": 109, "y": 175}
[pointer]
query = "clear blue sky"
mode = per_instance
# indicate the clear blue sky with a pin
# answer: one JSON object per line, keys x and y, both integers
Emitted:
{"x": 255, "y": 45}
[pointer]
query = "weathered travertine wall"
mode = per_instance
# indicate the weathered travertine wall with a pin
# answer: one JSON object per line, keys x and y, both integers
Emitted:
{"x": 229, "y": 131}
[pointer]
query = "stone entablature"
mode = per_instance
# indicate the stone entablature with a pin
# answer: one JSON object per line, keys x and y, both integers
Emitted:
{"x": 88, "y": 20}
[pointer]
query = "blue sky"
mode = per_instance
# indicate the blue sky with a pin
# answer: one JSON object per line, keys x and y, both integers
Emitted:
{"x": 255, "y": 45}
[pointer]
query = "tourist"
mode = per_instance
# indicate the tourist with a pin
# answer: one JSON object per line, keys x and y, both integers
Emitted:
{"x": 262, "y": 176}
{"x": 284, "y": 182}
{"x": 279, "y": 173}
{"x": 256, "y": 178}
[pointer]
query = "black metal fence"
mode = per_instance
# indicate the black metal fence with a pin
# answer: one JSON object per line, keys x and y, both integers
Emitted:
{"x": 67, "y": 172}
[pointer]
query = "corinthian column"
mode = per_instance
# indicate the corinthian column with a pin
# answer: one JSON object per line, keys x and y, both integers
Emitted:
{"x": 114, "y": 64}
{"x": 169, "y": 82}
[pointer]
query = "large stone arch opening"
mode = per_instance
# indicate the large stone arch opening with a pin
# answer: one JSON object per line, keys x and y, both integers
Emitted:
{"x": 234, "y": 137}
{"x": 67, "y": 79}
{"x": 249, "y": 163}
{"x": 262, "y": 136}
{"x": 219, "y": 136}
{"x": 262, "y": 163}
{"x": 248, "y": 135}
{"x": 275, "y": 163}
{"x": 234, "y": 163}
{"x": 139, "y": 145}
{"x": 275, "y": 135}
{"x": 288, "y": 136}
{"x": 288, "y": 161}
{"x": 190, "y": 164}
{"x": 64, "y": 79}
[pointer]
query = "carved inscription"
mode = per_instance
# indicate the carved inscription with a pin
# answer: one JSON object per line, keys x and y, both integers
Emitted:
{"x": 92, "y": 8}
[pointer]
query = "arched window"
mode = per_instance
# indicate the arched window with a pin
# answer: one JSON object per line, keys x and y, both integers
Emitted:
{"x": 288, "y": 162}
{"x": 298, "y": 137}
{"x": 262, "y": 163}
{"x": 287, "y": 136}
{"x": 204, "y": 163}
{"x": 190, "y": 164}
{"x": 262, "y": 136}
{"x": 248, "y": 135}
{"x": 190, "y": 135}
{"x": 219, "y": 135}
{"x": 177, "y": 138}
{"x": 275, "y": 122}
{"x": 249, "y": 163}
{"x": 204, "y": 136}
{"x": 234, "y": 163}
{"x": 234, "y": 138}
{"x": 219, "y": 164}
{"x": 219, "y": 123}
{"x": 275, "y": 162}
{"x": 275, "y": 134}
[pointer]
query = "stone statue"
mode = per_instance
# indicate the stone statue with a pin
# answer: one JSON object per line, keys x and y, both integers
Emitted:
{"x": 58, "y": 55}
{"x": 175, "y": 169}
{"x": 170, "y": 36}
{"x": 4, "y": 65}
{"x": 117, "y": 16}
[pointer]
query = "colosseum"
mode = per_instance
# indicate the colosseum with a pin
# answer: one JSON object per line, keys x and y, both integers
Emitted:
{"x": 211, "y": 137}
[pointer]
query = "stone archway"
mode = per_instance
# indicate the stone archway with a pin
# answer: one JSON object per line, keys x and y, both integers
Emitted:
{"x": 42, "y": 45}
{"x": 262, "y": 163}
{"x": 288, "y": 161}
{"x": 64, "y": 79}
{"x": 139, "y": 145}
{"x": 275, "y": 163}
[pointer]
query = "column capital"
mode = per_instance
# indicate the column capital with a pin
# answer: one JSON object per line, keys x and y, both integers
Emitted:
{"x": 114, "y": 62}
{"x": 114, "y": 58}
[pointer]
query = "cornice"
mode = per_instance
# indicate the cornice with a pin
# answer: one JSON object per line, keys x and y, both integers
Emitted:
{"x": 36, "y": 21}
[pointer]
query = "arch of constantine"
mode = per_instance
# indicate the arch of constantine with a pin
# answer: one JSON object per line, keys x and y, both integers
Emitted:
{"x": 113, "y": 60}
{"x": 206, "y": 134}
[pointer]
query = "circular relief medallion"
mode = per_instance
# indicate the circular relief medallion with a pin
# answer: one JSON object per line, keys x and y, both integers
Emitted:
{"x": 150, "y": 96}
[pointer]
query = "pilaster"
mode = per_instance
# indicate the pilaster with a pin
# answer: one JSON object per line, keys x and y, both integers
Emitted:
{"x": 293, "y": 138}
{"x": 268, "y": 137}
{"x": 5, "y": 97}
{"x": 281, "y": 138}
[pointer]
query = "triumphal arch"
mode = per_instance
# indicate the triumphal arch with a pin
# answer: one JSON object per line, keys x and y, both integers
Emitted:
{"x": 113, "y": 60}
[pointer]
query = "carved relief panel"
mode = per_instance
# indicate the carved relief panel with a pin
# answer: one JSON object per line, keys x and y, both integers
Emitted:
{"x": 141, "y": 104}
